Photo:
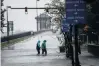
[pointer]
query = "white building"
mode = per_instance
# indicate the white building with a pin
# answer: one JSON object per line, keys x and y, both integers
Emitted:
{"x": 43, "y": 22}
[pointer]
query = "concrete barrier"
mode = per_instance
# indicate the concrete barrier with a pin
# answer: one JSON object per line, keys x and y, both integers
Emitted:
{"x": 15, "y": 36}
{"x": 41, "y": 31}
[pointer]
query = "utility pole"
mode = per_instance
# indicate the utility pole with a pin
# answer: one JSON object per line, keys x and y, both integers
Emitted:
{"x": 7, "y": 24}
{"x": 70, "y": 33}
{"x": 71, "y": 46}
{"x": 37, "y": 14}
{"x": 77, "y": 63}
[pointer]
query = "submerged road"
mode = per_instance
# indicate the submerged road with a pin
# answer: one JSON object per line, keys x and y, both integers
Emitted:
{"x": 24, "y": 53}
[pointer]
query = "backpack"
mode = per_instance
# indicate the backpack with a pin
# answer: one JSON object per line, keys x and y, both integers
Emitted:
{"x": 43, "y": 46}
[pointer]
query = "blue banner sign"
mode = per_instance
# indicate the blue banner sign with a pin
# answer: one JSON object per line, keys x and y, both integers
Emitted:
{"x": 75, "y": 11}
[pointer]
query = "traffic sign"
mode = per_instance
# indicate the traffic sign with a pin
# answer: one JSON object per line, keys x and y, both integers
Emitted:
{"x": 75, "y": 11}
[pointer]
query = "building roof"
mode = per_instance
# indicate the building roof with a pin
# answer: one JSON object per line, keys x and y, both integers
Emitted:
{"x": 43, "y": 15}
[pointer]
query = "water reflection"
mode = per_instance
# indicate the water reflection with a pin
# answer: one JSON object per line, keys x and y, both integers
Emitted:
{"x": 11, "y": 47}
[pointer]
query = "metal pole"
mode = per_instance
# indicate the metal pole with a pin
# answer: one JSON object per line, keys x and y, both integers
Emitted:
{"x": 7, "y": 25}
{"x": 77, "y": 63}
{"x": 83, "y": 39}
{"x": 12, "y": 28}
{"x": 65, "y": 37}
{"x": 37, "y": 15}
{"x": 98, "y": 39}
{"x": 40, "y": 23}
{"x": 71, "y": 47}
{"x": 70, "y": 33}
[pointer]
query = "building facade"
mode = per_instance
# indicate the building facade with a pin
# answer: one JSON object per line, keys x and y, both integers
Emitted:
{"x": 43, "y": 22}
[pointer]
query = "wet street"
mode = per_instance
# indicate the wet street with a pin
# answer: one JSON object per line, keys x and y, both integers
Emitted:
{"x": 24, "y": 53}
{"x": 67, "y": 31}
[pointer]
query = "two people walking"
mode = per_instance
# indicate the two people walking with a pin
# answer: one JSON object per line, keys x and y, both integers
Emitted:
{"x": 43, "y": 47}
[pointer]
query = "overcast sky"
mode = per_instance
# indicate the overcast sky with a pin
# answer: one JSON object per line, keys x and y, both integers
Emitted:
{"x": 22, "y": 21}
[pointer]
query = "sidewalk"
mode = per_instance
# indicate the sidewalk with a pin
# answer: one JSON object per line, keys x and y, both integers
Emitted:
{"x": 29, "y": 58}
{"x": 87, "y": 59}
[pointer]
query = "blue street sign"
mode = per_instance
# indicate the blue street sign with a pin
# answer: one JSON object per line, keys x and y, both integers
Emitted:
{"x": 75, "y": 11}
{"x": 65, "y": 26}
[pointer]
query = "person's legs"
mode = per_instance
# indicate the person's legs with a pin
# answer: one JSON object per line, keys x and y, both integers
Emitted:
{"x": 39, "y": 51}
{"x": 42, "y": 51}
{"x": 45, "y": 52}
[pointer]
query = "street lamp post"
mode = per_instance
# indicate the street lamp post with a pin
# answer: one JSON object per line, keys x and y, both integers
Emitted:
{"x": 37, "y": 14}
{"x": 77, "y": 63}
{"x": 8, "y": 23}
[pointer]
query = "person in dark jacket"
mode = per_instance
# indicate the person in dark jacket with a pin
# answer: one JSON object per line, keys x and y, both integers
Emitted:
{"x": 38, "y": 47}
{"x": 44, "y": 50}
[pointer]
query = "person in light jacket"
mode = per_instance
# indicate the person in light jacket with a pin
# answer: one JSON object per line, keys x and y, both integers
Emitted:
{"x": 44, "y": 50}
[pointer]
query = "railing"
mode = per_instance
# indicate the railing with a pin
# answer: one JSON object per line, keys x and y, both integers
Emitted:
{"x": 19, "y": 35}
